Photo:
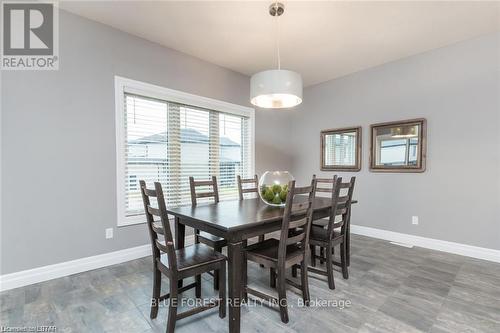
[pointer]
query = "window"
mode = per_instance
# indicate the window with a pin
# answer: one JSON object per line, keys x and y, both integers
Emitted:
{"x": 398, "y": 151}
{"x": 165, "y": 135}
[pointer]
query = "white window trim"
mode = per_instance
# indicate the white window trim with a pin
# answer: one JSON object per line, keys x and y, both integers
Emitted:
{"x": 125, "y": 85}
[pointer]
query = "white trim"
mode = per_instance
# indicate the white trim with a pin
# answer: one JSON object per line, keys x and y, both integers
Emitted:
{"x": 49, "y": 272}
{"x": 44, "y": 273}
{"x": 171, "y": 95}
{"x": 124, "y": 85}
{"x": 429, "y": 243}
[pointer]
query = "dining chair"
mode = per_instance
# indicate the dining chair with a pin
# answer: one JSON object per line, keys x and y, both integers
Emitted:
{"x": 323, "y": 222}
{"x": 197, "y": 192}
{"x": 178, "y": 264}
{"x": 289, "y": 250}
{"x": 244, "y": 188}
{"x": 336, "y": 230}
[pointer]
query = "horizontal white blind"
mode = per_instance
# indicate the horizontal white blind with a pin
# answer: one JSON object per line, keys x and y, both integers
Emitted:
{"x": 340, "y": 149}
{"x": 168, "y": 142}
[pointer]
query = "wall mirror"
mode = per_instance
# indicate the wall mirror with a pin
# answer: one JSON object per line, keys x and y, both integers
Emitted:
{"x": 398, "y": 146}
{"x": 341, "y": 149}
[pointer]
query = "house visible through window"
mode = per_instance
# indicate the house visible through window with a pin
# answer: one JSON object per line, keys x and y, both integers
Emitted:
{"x": 167, "y": 142}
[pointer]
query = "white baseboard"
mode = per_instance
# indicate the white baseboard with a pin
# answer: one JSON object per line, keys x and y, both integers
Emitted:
{"x": 49, "y": 272}
{"x": 429, "y": 243}
{"x": 44, "y": 273}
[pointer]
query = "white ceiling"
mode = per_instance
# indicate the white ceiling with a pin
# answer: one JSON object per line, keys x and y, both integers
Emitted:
{"x": 321, "y": 40}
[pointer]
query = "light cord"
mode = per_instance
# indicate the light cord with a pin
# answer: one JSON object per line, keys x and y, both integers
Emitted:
{"x": 278, "y": 34}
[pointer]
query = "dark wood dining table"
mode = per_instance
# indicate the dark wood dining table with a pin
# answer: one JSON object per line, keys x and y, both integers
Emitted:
{"x": 236, "y": 221}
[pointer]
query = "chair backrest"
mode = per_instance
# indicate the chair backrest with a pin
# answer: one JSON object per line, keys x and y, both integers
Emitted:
{"x": 194, "y": 185}
{"x": 156, "y": 231}
{"x": 341, "y": 195}
{"x": 297, "y": 218}
{"x": 249, "y": 185}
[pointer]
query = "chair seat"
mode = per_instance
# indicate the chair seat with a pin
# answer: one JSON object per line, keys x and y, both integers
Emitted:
{"x": 211, "y": 240}
{"x": 321, "y": 222}
{"x": 268, "y": 251}
{"x": 194, "y": 256}
{"x": 321, "y": 234}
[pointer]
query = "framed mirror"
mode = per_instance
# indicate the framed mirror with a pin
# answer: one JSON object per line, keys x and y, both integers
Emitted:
{"x": 341, "y": 149}
{"x": 398, "y": 146}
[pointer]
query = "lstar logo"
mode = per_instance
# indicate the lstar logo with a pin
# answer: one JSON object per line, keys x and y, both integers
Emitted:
{"x": 29, "y": 36}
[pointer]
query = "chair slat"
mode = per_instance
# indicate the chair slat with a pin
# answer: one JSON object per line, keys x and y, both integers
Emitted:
{"x": 161, "y": 246}
{"x": 324, "y": 190}
{"x": 297, "y": 223}
{"x": 298, "y": 206}
{"x": 303, "y": 190}
{"x": 154, "y": 211}
{"x": 345, "y": 185}
{"x": 337, "y": 225}
{"x": 157, "y": 227}
{"x": 203, "y": 183}
{"x": 325, "y": 180}
{"x": 295, "y": 239}
{"x": 249, "y": 190}
{"x": 340, "y": 211}
{"x": 248, "y": 181}
{"x": 342, "y": 199}
{"x": 149, "y": 192}
{"x": 205, "y": 195}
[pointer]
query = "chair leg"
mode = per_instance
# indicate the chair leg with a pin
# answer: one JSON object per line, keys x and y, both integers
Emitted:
{"x": 343, "y": 261}
{"x": 313, "y": 253}
{"x": 294, "y": 271}
{"x": 198, "y": 286}
{"x": 216, "y": 272}
{"x": 261, "y": 239}
{"x": 196, "y": 238}
{"x": 222, "y": 290}
{"x": 155, "y": 300}
{"x": 172, "y": 309}
{"x": 322, "y": 255}
{"x": 329, "y": 268}
{"x": 305, "y": 283}
{"x": 244, "y": 275}
{"x": 272, "y": 278}
{"x": 282, "y": 295}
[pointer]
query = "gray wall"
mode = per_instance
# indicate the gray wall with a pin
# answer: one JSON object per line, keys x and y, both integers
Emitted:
{"x": 457, "y": 89}
{"x": 58, "y": 141}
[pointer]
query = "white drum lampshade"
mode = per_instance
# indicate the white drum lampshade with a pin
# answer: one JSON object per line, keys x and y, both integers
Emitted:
{"x": 276, "y": 89}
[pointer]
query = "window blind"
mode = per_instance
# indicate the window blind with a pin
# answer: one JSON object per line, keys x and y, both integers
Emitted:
{"x": 340, "y": 149}
{"x": 168, "y": 142}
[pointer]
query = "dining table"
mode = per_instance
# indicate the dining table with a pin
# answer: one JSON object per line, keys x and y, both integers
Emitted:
{"x": 236, "y": 221}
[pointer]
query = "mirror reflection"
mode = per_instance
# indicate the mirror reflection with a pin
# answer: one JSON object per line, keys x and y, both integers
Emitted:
{"x": 340, "y": 149}
{"x": 398, "y": 146}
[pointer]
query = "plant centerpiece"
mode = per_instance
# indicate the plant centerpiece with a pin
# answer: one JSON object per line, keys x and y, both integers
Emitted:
{"x": 273, "y": 187}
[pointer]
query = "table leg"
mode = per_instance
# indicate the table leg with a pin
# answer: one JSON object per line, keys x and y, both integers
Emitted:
{"x": 234, "y": 251}
{"x": 180, "y": 236}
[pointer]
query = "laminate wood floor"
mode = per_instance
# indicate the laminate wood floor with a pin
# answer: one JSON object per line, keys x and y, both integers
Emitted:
{"x": 390, "y": 289}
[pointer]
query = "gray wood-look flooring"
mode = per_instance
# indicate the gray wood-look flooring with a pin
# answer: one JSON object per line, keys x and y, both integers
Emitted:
{"x": 390, "y": 289}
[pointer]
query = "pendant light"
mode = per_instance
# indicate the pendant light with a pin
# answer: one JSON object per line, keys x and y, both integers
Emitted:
{"x": 276, "y": 88}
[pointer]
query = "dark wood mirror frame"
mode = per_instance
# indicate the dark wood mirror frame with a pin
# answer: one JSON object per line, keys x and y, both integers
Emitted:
{"x": 357, "y": 164}
{"x": 422, "y": 146}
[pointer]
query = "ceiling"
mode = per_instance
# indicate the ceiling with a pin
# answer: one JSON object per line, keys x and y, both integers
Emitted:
{"x": 321, "y": 40}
